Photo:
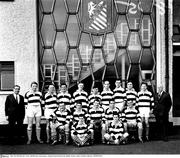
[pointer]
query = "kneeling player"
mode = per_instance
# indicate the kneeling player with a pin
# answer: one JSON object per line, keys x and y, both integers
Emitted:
{"x": 60, "y": 124}
{"x": 81, "y": 133}
{"x": 116, "y": 132}
{"x": 132, "y": 119}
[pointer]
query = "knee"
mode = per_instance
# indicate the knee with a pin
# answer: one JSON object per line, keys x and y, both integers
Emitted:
{"x": 139, "y": 125}
{"x": 38, "y": 126}
{"x": 66, "y": 128}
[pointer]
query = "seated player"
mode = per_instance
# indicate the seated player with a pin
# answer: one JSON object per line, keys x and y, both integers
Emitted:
{"x": 60, "y": 124}
{"x": 97, "y": 120}
{"x": 116, "y": 133}
{"x": 81, "y": 132}
{"x": 132, "y": 119}
{"x": 79, "y": 111}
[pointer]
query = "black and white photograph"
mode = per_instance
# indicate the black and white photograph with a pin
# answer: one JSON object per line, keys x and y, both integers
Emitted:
{"x": 89, "y": 78}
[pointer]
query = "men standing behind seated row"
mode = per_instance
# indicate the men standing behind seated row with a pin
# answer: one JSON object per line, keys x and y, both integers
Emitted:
{"x": 119, "y": 95}
{"x": 60, "y": 124}
{"x": 81, "y": 132}
{"x": 81, "y": 96}
{"x": 50, "y": 100}
{"x": 64, "y": 96}
{"x": 115, "y": 132}
{"x": 97, "y": 119}
{"x": 106, "y": 94}
{"x": 131, "y": 118}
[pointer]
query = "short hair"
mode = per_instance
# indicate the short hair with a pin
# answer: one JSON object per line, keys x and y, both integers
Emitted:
{"x": 115, "y": 114}
{"x": 118, "y": 79}
{"x": 16, "y": 86}
{"x": 96, "y": 99}
{"x": 129, "y": 82}
{"x": 144, "y": 84}
{"x": 78, "y": 102}
{"x": 63, "y": 84}
{"x": 34, "y": 83}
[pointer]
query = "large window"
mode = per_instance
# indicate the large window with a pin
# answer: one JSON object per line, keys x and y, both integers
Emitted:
{"x": 6, "y": 75}
{"x": 69, "y": 53}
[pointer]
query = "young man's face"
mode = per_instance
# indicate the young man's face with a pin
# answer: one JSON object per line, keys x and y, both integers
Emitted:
{"x": 51, "y": 89}
{"x": 78, "y": 106}
{"x": 112, "y": 104}
{"x": 118, "y": 84}
{"x": 16, "y": 90}
{"x": 95, "y": 91}
{"x": 63, "y": 88}
{"x": 130, "y": 103}
{"x": 115, "y": 118}
{"x": 81, "y": 120}
{"x": 106, "y": 85}
{"x": 143, "y": 87}
{"x": 62, "y": 106}
{"x": 129, "y": 85}
{"x": 96, "y": 104}
{"x": 34, "y": 87}
{"x": 80, "y": 86}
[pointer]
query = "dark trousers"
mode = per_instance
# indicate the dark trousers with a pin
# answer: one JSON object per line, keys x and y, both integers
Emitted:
{"x": 15, "y": 127}
{"x": 162, "y": 127}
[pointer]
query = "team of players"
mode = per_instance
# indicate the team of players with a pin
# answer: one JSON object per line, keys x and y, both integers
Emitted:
{"x": 80, "y": 117}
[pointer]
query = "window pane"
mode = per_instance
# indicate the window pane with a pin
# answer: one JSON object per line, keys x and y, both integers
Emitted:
{"x": 7, "y": 80}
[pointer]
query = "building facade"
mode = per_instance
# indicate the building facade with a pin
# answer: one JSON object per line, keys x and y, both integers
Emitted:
{"x": 89, "y": 41}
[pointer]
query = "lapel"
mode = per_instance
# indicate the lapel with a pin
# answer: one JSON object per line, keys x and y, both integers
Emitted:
{"x": 161, "y": 95}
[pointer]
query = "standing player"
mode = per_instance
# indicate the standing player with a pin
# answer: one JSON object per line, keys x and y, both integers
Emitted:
{"x": 33, "y": 100}
{"x": 81, "y": 96}
{"x": 145, "y": 105}
{"x": 107, "y": 95}
{"x": 64, "y": 96}
{"x": 131, "y": 94}
{"x": 50, "y": 105}
{"x": 119, "y": 95}
{"x": 94, "y": 95}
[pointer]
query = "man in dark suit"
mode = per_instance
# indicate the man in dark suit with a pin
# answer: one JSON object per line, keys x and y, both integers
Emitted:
{"x": 161, "y": 111}
{"x": 15, "y": 112}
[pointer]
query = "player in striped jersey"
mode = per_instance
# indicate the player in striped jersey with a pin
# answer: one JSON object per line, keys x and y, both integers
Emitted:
{"x": 145, "y": 105}
{"x": 64, "y": 96}
{"x": 119, "y": 95}
{"x": 82, "y": 96}
{"x": 116, "y": 132}
{"x": 50, "y": 100}
{"x": 94, "y": 95}
{"x": 131, "y": 94}
{"x": 132, "y": 118}
{"x": 81, "y": 132}
{"x": 60, "y": 123}
{"x": 96, "y": 115}
{"x": 107, "y": 95}
{"x": 33, "y": 101}
{"x": 78, "y": 112}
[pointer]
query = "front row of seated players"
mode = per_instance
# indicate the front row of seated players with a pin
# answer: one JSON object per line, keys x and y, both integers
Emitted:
{"x": 81, "y": 125}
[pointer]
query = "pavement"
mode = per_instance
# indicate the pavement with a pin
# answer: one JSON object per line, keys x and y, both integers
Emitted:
{"x": 150, "y": 147}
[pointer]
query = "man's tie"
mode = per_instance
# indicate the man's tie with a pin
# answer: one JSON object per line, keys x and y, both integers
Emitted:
{"x": 16, "y": 98}
{"x": 159, "y": 95}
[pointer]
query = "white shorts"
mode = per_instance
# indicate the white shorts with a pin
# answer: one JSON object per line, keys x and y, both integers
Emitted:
{"x": 120, "y": 106}
{"x": 105, "y": 107}
{"x": 33, "y": 111}
{"x": 131, "y": 123}
{"x": 144, "y": 111}
{"x": 48, "y": 113}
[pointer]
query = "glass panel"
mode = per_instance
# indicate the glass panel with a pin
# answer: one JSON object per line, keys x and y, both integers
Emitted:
{"x": 85, "y": 48}
{"x": 60, "y": 9}
{"x": 7, "y": 80}
{"x": 146, "y": 5}
{"x": 48, "y": 57}
{"x": 72, "y": 30}
{"x": 122, "y": 30}
{"x": 72, "y": 5}
{"x": 97, "y": 40}
{"x": 122, "y": 64}
{"x": 60, "y": 47}
{"x": 73, "y": 65}
{"x": 110, "y": 74}
{"x": 134, "y": 47}
{"x": 121, "y": 5}
{"x": 146, "y": 31}
{"x": 47, "y": 30}
{"x": 85, "y": 72}
{"x": 110, "y": 47}
{"x": 147, "y": 61}
{"x": 47, "y": 5}
{"x": 134, "y": 13}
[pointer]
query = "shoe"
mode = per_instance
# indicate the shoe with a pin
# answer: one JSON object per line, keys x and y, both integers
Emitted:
{"x": 103, "y": 141}
{"x": 140, "y": 139}
{"x": 47, "y": 141}
{"x": 54, "y": 142}
{"x": 67, "y": 142}
{"x": 28, "y": 142}
{"x": 40, "y": 141}
{"x": 147, "y": 138}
